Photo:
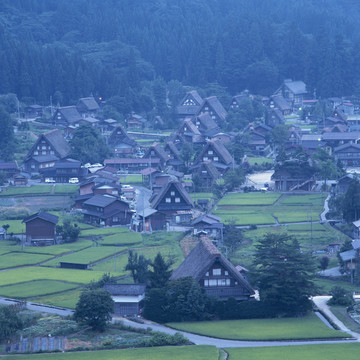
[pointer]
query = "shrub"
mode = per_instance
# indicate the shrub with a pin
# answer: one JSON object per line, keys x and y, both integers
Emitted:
{"x": 340, "y": 296}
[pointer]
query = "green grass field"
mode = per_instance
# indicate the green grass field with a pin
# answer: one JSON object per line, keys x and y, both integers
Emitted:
{"x": 66, "y": 299}
{"x": 200, "y": 352}
{"x": 31, "y": 190}
{"x": 66, "y": 189}
{"x": 308, "y": 327}
{"x": 15, "y": 259}
{"x": 259, "y": 160}
{"x": 132, "y": 179}
{"x": 36, "y": 288}
{"x": 104, "y": 231}
{"x": 16, "y": 226}
{"x": 15, "y": 276}
{"x": 349, "y": 351}
{"x": 86, "y": 256}
{"x": 121, "y": 239}
{"x": 255, "y": 198}
{"x": 262, "y": 208}
{"x": 201, "y": 195}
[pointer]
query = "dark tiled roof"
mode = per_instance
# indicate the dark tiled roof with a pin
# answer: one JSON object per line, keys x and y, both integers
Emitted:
{"x": 159, "y": 151}
{"x": 101, "y": 200}
{"x": 354, "y": 135}
{"x": 201, "y": 258}
{"x": 280, "y": 102}
{"x": 346, "y": 146}
{"x": 8, "y": 165}
{"x": 207, "y": 218}
{"x": 44, "y": 216}
{"x": 125, "y": 289}
{"x": 45, "y": 158}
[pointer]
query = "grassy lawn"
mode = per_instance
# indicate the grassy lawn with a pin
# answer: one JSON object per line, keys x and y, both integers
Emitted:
{"x": 16, "y": 226}
{"x": 14, "y": 276}
{"x": 36, "y": 288}
{"x": 201, "y": 195}
{"x": 341, "y": 313}
{"x": 132, "y": 179}
{"x": 104, "y": 231}
{"x": 325, "y": 285}
{"x": 251, "y": 215}
{"x": 14, "y": 259}
{"x": 259, "y": 160}
{"x": 86, "y": 256}
{"x": 66, "y": 189}
{"x": 348, "y": 351}
{"x": 157, "y": 353}
{"x": 31, "y": 190}
{"x": 308, "y": 327}
{"x": 66, "y": 299}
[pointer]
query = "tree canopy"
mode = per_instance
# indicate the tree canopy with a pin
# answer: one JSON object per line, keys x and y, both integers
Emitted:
{"x": 284, "y": 274}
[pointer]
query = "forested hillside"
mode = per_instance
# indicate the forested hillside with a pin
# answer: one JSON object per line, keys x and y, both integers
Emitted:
{"x": 68, "y": 49}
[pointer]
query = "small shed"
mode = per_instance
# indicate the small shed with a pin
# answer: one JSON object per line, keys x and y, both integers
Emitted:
{"x": 41, "y": 228}
{"x": 128, "y": 298}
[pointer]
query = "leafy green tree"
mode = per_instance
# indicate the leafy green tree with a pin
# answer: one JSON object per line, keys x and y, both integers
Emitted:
{"x": 340, "y": 296}
{"x": 88, "y": 145}
{"x": 279, "y": 135}
{"x": 232, "y": 237}
{"x": 10, "y": 321}
{"x": 324, "y": 263}
{"x": 234, "y": 178}
{"x": 7, "y": 139}
{"x": 94, "y": 308}
{"x": 70, "y": 232}
{"x": 161, "y": 271}
{"x": 351, "y": 202}
{"x": 285, "y": 274}
{"x": 139, "y": 267}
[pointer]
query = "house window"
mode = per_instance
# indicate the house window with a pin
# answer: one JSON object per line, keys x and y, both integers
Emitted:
{"x": 213, "y": 117}
{"x": 204, "y": 172}
{"x": 216, "y": 158}
{"x": 212, "y": 282}
{"x": 216, "y": 271}
{"x": 206, "y": 108}
{"x": 168, "y": 200}
{"x": 206, "y": 282}
{"x": 226, "y": 272}
{"x": 205, "y": 158}
{"x": 210, "y": 152}
{"x": 52, "y": 152}
{"x": 32, "y": 166}
{"x": 172, "y": 193}
{"x": 177, "y": 219}
{"x": 115, "y": 219}
{"x": 177, "y": 200}
{"x": 36, "y": 152}
{"x": 43, "y": 147}
{"x": 207, "y": 273}
{"x": 43, "y": 152}
{"x": 227, "y": 282}
{"x": 221, "y": 282}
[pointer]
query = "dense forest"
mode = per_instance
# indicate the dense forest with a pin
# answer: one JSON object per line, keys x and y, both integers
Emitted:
{"x": 134, "y": 49}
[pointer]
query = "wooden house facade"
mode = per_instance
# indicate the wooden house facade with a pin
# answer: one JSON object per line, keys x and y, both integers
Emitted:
{"x": 189, "y": 105}
{"x": 215, "y": 274}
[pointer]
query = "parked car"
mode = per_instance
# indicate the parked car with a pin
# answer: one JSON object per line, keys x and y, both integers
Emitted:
{"x": 73, "y": 180}
{"x": 49, "y": 180}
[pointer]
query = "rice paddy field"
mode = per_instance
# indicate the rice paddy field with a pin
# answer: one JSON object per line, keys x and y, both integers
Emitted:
{"x": 259, "y": 160}
{"x": 269, "y": 208}
{"x": 350, "y": 351}
{"x": 28, "y": 190}
{"x": 308, "y": 327}
{"x": 200, "y": 352}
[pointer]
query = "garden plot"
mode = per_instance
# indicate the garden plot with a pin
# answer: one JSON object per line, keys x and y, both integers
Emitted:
{"x": 28, "y": 190}
{"x": 36, "y": 288}
{"x": 32, "y": 273}
{"x": 15, "y": 259}
{"x": 86, "y": 256}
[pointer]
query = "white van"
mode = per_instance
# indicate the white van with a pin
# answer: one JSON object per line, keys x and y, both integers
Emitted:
{"x": 73, "y": 180}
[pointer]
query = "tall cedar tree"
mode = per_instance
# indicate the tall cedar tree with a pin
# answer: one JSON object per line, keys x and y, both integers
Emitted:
{"x": 139, "y": 267}
{"x": 7, "y": 141}
{"x": 284, "y": 274}
{"x": 161, "y": 272}
{"x": 351, "y": 202}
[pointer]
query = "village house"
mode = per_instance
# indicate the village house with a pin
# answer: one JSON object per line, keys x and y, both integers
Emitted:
{"x": 206, "y": 124}
{"x": 135, "y": 121}
{"x": 174, "y": 202}
{"x": 49, "y": 148}
{"x": 187, "y": 133}
{"x": 214, "y": 273}
{"x": 66, "y": 116}
{"x": 9, "y": 168}
{"x": 174, "y": 156}
{"x": 335, "y": 139}
{"x": 128, "y": 298}
{"x": 87, "y": 106}
{"x": 148, "y": 220}
{"x": 216, "y": 152}
{"x": 274, "y": 117}
{"x": 106, "y": 210}
{"x": 210, "y": 225}
{"x": 121, "y": 143}
{"x": 280, "y": 103}
{"x": 294, "y": 92}
{"x": 343, "y": 183}
{"x": 156, "y": 151}
{"x": 213, "y": 106}
{"x": 351, "y": 258}
{"x": 206, "y": 173}
{"x": 41, "y": 228}
{"x": 33, "y": 111}
{"x": 189, "y": 105}
{"x": 348, "y": 154}
{"x": 64, "y": 170}
{"x": 133, "y": 166}
{"x": 237, "y": 101}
